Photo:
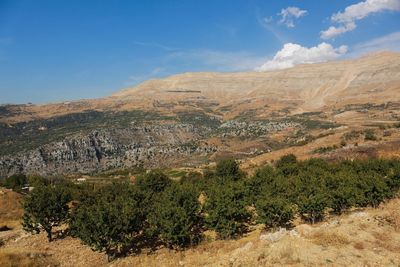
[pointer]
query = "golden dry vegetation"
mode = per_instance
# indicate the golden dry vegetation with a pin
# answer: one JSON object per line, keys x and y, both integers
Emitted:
{"x": 362, "y": 237}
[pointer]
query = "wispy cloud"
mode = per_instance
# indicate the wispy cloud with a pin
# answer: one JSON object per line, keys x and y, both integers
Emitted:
{"x": 267, "y": 23}
{"x": 290, "y": 14}
{"x": 137, "y": 78}
{"x": 294, "y": 54}
{"x": 155, "y": 45}
{"x": 218, "y": 60}
{"x": 352, "y": 13}
{"x": 387, "y": 42}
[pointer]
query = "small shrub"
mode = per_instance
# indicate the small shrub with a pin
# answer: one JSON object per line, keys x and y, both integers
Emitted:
{"x": 325, "y": 149}
{"x": 351, "y": 135}
{"x": 370, "y": 135}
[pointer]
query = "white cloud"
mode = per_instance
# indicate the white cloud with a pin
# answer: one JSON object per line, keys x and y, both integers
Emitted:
{"x": 356, "y": 12}
{"x": 333, "y": 31}
{"x": 289, "y": 14}
{"x": 363, "y": 9}
{"x": 268, "y": 19}
{"x": 387, "y": 42}
{"x": 293, "y": 54}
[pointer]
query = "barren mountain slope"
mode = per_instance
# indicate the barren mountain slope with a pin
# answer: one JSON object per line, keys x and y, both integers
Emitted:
{"x": 374, "y": 78}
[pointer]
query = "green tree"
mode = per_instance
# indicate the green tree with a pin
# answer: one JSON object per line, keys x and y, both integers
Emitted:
{"x": 274, "y": 212}
{"x": 287, "y": 165}
{"x": 111, "y": 221}
{"x": 372, "y": 189}
{"x": 286, "y": 160}
{"x": 342, "y": 190}
{"x": 312, "y": 207}
{"x": 228, "y": 169}
{"x": 151, "y": 185}
{"x": 15, "y": 182}
{"x": 37, "y": 181}
{"x": 153, "y": 182}
{"x": 176, "y": 218}
{"x": 226, "y": 210}
{"x": 44, "y": 208}
{"x": 266, "y": 181}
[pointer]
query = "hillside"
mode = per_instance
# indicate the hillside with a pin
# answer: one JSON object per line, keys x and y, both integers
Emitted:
{"x": 192, "y": 119}
{"x": 370, "y": 79}
{"x": 330, "y": 243}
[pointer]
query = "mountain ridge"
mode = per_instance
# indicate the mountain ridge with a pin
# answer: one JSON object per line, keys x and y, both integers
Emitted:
{"x": 306, "y": 87}
{"x": 195, "y": 118}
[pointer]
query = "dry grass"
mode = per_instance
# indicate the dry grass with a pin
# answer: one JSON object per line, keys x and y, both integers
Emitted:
{"x": 359, "y": 245}
{"x": 327, "y": 237}
{"x": 359, "y": 239}
{"x": 10, "y": 208}
{"x": 285, "y": 252}
{"x": 386, "y": 240}
{"x": 392, "y": 214}
{"x": 12, "y": 257}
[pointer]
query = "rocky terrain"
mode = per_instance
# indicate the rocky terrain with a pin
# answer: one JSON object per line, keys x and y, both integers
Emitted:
{"x": 106, "y": 149}
{"x": 193, "y": 118}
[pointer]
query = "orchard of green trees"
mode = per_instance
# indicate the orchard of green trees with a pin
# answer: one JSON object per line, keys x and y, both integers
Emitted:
{"x": 155, "y": 211}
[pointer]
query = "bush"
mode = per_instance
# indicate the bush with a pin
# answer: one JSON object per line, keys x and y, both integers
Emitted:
{"x": 287, "y": 165}
{"x": 342, "y": 192}
{"x": 263, "y": 180}
{"x": 111, "y": 221}
{"x": 15, "y": 182}
{"x": 312, "y": 208}
{"x": 36, "y": 181}
{"x": 228, "y": 169}
{"x": 372, "y": 190}
{"x": 274, "y": 212}
{"x": 226, "y": 211}
{"x": 370, "y": 135}
{"x": 286, "y": 160}
{"x": 44, "y": 208}
{"x": 175, "y": 218}
{"x": 153, "y": 182}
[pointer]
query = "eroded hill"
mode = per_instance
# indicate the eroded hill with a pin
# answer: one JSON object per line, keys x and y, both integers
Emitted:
{"x": 193, "y": 118}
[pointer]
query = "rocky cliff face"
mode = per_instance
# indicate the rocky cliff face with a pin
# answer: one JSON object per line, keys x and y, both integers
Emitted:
{"x": 158, "y": 145}
{"x": 161, "y": 122}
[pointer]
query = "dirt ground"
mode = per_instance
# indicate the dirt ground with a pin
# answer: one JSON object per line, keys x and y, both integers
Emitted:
{"x": 364, "y": 237}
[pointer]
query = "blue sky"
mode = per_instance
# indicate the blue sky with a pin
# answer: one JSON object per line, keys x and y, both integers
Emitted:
{"x": 53, "y": 50}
